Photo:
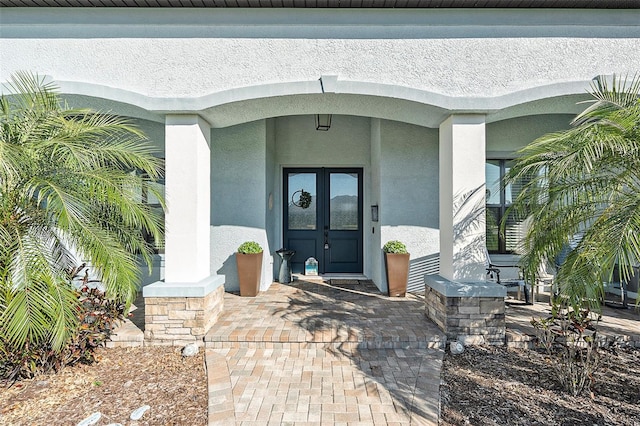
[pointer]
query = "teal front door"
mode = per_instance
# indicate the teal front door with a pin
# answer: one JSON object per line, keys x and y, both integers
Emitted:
{"x": 323, "y": 218}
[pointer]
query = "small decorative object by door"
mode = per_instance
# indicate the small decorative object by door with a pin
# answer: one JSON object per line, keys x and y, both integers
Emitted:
{"x": 311, "y": 266}
{"x": 249, "y": 260}
{"x": 284, "y": 276}
{"x": 397, "y": 266}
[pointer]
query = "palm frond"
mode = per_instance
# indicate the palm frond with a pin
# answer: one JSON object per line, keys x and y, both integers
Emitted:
{"x": 66, "y": 186}
{"x": 586, "y": 182}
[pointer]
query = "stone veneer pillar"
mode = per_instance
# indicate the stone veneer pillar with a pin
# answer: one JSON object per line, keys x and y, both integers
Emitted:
{"x": 459, "y": 300}
{"x": 182, "y": 308}
{"x": 182, "y": 313}
{"x": 472, "y": 313}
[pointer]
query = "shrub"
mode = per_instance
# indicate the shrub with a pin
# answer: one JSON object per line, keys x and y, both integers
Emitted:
{"x": 97, "y": 317}
{"x": 249, "y": 247}
{"x": 569, "y": 339}
{"x": 395, "y": 247}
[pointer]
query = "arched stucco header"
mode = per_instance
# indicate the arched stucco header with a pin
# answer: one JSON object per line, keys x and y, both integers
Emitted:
{"x": 329, "y": 94}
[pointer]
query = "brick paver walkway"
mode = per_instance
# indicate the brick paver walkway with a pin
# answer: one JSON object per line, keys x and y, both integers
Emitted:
{"x": 315, "y": 353}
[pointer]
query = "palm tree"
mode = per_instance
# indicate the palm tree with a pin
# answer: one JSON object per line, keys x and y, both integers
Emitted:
{"x": 70, "y": 181}
{"x": 583, "y": 193}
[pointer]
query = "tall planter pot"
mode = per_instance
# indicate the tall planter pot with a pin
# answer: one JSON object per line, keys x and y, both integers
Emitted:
{"x": 249, "y": 273}
{"x": 397, "y": 273}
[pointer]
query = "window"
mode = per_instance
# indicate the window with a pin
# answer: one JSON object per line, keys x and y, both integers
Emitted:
{"x": 499, "y": 198}
{"x": 149, "y": 199}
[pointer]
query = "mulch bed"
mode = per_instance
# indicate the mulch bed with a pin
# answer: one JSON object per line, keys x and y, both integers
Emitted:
{"x": 125, "y": 378}
{"x": 482, "y": 386}
{"x": 500, "y": 386}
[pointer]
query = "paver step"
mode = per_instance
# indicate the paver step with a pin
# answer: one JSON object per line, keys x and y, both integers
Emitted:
{"x": 342, "y": 314}
{"x": 126, "y": 335}
{"x": 438, "y": 342}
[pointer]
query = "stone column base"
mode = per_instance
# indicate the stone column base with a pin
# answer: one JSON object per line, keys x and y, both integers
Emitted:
{"x": 177, "y": 314}
{"x": 472, "y": 313}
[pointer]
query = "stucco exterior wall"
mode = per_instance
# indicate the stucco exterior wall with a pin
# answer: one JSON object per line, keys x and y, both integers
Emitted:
{"x": 409, "y": 196}
{"x": 272, "y": 188}
{"x": 238, "y": 198}
{"x": 233, "y": 66}
{"x": 505, "y": 137}
{"x": 299, "y": 144}
{"x": 376, "y": 271}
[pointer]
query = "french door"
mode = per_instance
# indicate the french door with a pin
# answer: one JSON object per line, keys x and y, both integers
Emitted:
{"x": 323, "y": 218}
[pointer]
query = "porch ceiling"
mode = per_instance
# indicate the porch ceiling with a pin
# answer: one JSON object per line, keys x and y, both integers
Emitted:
{"x": 583, "y": 4}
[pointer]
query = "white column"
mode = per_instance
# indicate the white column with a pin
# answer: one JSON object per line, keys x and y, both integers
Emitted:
{"x": 188, "y": 196}
{"x": 462, "y": 198}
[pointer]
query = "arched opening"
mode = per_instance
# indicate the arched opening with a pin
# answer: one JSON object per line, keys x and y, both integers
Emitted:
{"x": 387, "y": 135}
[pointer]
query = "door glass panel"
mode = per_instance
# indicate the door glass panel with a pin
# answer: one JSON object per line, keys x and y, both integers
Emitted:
{"x": 343, "y": 203}
{"x": 302, "y": 201}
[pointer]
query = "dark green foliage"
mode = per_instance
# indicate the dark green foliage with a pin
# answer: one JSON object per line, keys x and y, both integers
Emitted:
{"x": 305, "y": 199}
{"x": 96, "y": 315}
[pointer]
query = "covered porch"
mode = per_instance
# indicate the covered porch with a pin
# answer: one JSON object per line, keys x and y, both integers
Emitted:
{"x": 340, "y": 314}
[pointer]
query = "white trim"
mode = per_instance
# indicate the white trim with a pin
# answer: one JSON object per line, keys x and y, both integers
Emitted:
{"x": 460, "y": 104}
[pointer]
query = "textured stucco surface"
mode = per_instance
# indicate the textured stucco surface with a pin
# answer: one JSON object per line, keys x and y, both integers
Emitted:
{"x": 198, "y": 67}
{"x": 187, "y": 193}
{"x": 375, "y": 272}
{"x": 194, "y": 60}
{"x": 506, "y": 136}
{"x": 462, "y": 197}
{"x": 460, "y": 53}
{"x": 238, "y": 198}
{"x": 409, "y": 196}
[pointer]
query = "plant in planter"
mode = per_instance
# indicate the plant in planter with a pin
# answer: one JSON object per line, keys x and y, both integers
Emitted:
{"x": 249, "y": 260}
{"x": 396, "y": 260}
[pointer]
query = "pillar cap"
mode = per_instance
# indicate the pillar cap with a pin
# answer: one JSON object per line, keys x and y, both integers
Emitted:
{"x": 183, "y": 289}
{"x": 450, "y": 288}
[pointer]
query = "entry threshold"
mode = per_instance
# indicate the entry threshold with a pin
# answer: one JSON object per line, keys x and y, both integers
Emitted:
{"x": 325, "y": 277}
